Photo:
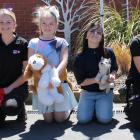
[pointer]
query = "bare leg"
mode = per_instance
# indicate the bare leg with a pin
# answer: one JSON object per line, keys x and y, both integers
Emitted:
{"x": 61, "y": 116}
{"x": 48, "y": 117}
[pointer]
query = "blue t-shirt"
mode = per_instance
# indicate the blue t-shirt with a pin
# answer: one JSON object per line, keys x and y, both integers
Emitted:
{"x": 50, "y": 49}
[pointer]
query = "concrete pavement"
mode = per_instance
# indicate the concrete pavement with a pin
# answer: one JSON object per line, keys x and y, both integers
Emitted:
{"x": 35, "y": 128}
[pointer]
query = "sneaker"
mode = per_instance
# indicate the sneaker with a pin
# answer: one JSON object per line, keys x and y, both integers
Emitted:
{"x": 2, "y": 121}
{"x": 22, "y": 117}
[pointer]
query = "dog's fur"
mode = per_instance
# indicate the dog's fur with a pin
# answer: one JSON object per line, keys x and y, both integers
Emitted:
{"x": 32, "y": 75}
{"x": 42, "y": 75}
{"x": 102, "y": 75}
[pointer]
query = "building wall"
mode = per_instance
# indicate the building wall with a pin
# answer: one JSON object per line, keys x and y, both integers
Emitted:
{"x": 24, "y": 9}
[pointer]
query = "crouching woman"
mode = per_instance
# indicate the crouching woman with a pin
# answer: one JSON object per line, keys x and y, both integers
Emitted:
{"x": 13, "y": 59}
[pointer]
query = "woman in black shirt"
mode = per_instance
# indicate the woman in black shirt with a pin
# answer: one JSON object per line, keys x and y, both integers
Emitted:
{"x": 133, "y": 81}
{"x": 13, "y": 59}
{"x": 93, "y": 101}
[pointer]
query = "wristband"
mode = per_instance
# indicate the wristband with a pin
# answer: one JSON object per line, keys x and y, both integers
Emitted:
{"x": 2, "y": 95}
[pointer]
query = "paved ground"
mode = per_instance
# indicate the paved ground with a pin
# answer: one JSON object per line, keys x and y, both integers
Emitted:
{"x": 35, "y": 129}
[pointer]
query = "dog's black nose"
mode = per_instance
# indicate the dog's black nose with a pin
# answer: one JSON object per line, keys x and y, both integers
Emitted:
{"x": 34, "y": 62}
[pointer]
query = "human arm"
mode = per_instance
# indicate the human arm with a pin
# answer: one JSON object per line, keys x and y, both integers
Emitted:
{"x": 30, "y": 52}
{"x": 32, "y": 46}
{"x": 63, "y": 60}
{"x": 135, "y": 53}
{"x": 23, "y": 61}
{"x": 114, "y": 66}
{"x": 89, "y": 81}
{"x": 79, "y": 69}
{"x": 112, "y": 77}
{"x": 16, "y": 83}
{"x": 137, "y": 62}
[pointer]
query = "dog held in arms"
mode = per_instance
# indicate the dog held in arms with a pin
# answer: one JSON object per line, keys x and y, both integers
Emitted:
{"x": 102, "y": 75}
{"x": 39, "y": 75}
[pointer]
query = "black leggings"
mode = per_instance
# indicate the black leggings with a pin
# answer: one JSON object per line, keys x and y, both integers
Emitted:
{"x": 133, "y": 105}
{"x": 20, "y": 94}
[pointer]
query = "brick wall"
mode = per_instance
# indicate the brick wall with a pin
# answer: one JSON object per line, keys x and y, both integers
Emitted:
{"x": 24, "y": 9}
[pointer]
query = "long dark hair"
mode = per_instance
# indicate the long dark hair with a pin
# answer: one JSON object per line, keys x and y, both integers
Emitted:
{"x": 85, "y": 41}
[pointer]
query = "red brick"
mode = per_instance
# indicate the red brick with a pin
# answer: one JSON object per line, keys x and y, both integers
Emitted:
{"x": 24, "y": 9}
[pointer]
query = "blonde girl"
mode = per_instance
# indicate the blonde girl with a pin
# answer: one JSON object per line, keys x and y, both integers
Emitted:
{"x": 56, "y": 50}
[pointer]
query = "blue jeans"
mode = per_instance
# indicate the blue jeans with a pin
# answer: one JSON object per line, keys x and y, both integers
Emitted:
{"x": 95, "y": 104}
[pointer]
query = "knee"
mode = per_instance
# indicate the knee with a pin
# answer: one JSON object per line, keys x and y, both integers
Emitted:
{"x": 103, "y": 116}
{"x": 104, "y": 120}
{"x": 48, "y": 119}
{"x": 61, "y": 116}
{"x": 83, "y": 120}
{"x": 60, "y": 120}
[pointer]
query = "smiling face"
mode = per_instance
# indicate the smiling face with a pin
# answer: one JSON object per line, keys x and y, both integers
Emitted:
{"x": 7, "y": 24}
{"x": 94, "y": 35}
{"x": 48, "y": 25}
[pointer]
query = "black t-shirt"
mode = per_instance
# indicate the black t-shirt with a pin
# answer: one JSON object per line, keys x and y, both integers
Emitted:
{"x": 11, "y": 60}
{"x": 86, "y": 66}
{"x": 135, "y": 51}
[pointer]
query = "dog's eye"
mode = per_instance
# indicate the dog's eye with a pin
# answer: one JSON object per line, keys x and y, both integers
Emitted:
{"x": 34, "y": 62}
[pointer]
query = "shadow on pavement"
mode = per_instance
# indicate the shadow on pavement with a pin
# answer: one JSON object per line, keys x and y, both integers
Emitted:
{"x": 95, "y": 129}
{"x": 135, "y": 132}
{"x": 11, "y": 128}
{"x": 42, "y": 130}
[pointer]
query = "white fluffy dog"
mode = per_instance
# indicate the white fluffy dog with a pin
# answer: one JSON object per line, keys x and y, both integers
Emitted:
{"x": 49, "y": 75}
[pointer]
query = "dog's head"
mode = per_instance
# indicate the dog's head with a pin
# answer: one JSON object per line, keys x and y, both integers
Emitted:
{"x": 33, "y": 69}
{"x": 37, "y": 61}
{"x": 105, "y": 64}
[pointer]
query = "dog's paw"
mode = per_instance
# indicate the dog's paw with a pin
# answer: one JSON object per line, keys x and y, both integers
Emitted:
{"x": 55, "y": 82}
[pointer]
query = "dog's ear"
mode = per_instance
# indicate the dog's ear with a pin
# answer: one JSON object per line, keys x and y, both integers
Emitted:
{"x": 109, "y": 60}
{"x": 45, "y": 60}
{"x": 102, "y": 58}
{"x": 64, "y": 75}
{"x": 28, "y": 72}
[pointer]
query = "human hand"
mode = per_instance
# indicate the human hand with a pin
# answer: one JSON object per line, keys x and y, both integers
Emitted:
{"x": 85, "y": 82}
{"x": 96, "y": 81}
{"x": 111, "y": 78}
{"x": 7, "y": 90}
{"x": 89, "y": 81}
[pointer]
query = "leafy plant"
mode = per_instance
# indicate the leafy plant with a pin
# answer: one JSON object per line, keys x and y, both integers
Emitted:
{"x": 116, "y": 27}
{"x": 123, "y": 57}
{"x": 118, "y": 32}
